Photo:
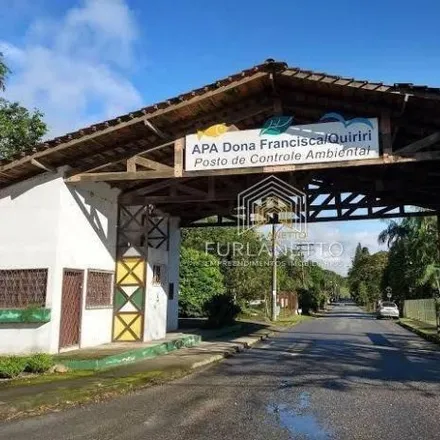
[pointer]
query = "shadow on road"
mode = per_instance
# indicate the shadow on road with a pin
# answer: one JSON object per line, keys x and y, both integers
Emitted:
{"x": 325, "y": 356}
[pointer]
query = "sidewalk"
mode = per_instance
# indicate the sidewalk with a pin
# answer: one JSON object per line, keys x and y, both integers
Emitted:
{"x": 423, "y": 329}
{"x": 53, "y": 392}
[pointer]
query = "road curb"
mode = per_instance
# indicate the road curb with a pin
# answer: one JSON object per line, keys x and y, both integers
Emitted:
{"x": 431, "y": 338}
{"x": 238, "y": 348}
{"x": 132, "y": 355}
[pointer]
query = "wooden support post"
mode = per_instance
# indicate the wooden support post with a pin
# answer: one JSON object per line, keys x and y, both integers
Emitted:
{"x": 437, "y": 302}
{"x": 277, "y": 106}
{"x": 385, "y": 134}
{"x": 131, "y": 165}
{"x": 211, "y": 187}
{"x": 179, "y": 147}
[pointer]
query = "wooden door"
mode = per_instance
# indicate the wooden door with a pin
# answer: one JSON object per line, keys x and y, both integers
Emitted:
{"x": 71, "y": 307}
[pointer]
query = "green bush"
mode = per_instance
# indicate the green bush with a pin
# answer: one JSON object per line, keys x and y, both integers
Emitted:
{"x": 39, "y": 363}
{"x": 309, "y": 300}
{"x": 12, "y": 366}
{"x": 221, "y": 310}
{"x": 200, "y": 280}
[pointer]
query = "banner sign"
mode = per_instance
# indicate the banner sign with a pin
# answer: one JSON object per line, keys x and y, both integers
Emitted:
{"x": 280, "y": 143}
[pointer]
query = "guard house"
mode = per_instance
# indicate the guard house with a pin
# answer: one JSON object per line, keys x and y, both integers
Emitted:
{"x": 90, "y": 221}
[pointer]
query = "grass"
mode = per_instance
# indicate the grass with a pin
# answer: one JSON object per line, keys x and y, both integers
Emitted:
{"x": 32, "y": 379}
{"x": 423, "y": 329}
{"x": 285, "y": 319}
{"x": 93, "y": 387}
{"x": 292, "y": 320}
{"x": 36, "y": 394}
{"x": 13, "y": 366}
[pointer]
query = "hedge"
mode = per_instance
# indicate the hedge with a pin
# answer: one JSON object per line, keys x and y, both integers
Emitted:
{"x": 13, "y": 366}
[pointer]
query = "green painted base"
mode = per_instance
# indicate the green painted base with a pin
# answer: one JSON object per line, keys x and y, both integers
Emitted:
{"x": 23, "y": 316}
{"x": 131, "y": 356}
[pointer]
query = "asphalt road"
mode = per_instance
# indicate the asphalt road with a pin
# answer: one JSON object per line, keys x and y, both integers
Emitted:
{"x": 345, "y": 376}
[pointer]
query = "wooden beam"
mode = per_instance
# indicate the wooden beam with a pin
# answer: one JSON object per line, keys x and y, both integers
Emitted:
{"x": 394, "y": 159}
{"x": 132, "y": 121}
{"x": 153, "y": 128}
{"x": 179, "y": 147}
{"x": 122, "y": 175}
{"x": 385, "y": 134}
{"x": 119, "y": 159}
{"x": 131, "y": 165}
{"x": 43, "y": 166}
{"x": 251, "y": 109}
{"x": 420, "y": 144}
{"x": 179, "y": 199}
{"x": 190, "y": 190}
{"x": 152, "y": 164}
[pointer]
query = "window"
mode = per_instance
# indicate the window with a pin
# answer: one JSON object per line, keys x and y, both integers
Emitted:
{"x": 171, "y": 291}
{"x": 21, "y": 288}
{"x": 388, "y": 304}
{"x": 99, "y": 289}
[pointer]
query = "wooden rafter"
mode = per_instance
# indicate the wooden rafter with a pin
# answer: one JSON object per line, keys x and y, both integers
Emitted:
{"x": 156, "y": 130}
{"x": 416, "y": 146}
{"x": 179, "y": 146}
{"x": 135, "y": 120}
{"x": 151, "y": 164}
{"x": 119, "y": 175}
{"x": 43, "y": 166}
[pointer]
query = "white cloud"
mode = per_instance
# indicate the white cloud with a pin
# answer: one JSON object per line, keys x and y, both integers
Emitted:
{"x": 332, "y": 245}
{"x": 339, "y": 243}
{"x": 72, "y": 69}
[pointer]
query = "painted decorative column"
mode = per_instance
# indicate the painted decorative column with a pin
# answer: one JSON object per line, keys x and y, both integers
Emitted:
{"x": 129, "y": 293}
{"x": 137, "y": 231}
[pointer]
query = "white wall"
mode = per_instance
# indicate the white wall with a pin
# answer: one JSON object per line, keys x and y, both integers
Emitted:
{"x": 156, "y": 297}
{"x": 88, "y": 229}
{"x": 45, "y": 224}
{"x": 96, "y": 326}
{"x": 29, "y": 220}
{"x": 173, "y": 273}
{"x": 160, "y": 312}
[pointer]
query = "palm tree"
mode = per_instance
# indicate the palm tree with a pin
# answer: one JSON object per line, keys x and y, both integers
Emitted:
{"x": 393, "y": 233}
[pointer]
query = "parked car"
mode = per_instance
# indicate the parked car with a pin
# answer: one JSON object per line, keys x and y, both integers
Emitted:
{"x": 387, "y": 309}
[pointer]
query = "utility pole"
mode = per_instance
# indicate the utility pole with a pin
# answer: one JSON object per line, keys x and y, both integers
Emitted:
{"x": 274, "y": 220}
{"x": 301, "y": 254}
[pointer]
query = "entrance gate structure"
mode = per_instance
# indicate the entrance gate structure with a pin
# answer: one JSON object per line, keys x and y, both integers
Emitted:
{"x": 142, "y": 155}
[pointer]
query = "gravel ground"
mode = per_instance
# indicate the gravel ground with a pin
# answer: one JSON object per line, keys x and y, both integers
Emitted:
{"x": 343, "y": 376}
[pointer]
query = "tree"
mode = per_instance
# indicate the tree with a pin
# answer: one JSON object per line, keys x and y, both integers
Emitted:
{"x": 4, "y": 71}
{"x": 365, "y": 275}
{"x": 393, "y": 233}
{"x": 20, "y": 129}
{"x": 200, "y": 281}
{"x": 243, "y": 258}
{"x": 413, "y": 267}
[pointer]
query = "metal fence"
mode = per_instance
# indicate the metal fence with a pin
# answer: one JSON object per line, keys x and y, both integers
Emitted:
{"x": 21, "y": 288}
{"x": 99, "y": 288}
{"x": 420, "y": 309}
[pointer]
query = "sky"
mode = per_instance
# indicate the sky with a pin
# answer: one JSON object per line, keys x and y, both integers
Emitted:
{"x": 83, "y": 61}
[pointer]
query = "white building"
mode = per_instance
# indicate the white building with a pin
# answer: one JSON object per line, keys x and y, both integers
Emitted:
{"x": 64, "y": 280}
{"x": 89, "y": 221}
